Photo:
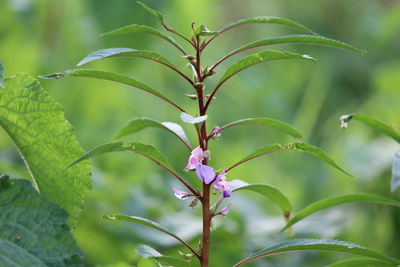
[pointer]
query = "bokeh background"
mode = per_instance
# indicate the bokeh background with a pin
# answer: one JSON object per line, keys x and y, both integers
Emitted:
{"x": 46, "y": 36}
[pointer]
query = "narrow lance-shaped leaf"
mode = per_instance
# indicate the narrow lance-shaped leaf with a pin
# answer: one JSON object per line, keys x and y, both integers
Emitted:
{"x": 361, "y": 262}
{"x": 125, "y": 52}
{"x": 46, "y": 141}
{"x": 192, "y": 120}
{"x": 33, "y": 230}
{"x": 138, "y": 124}
{"x": 298, "y": 146}
{"x": 151, "y": 224}
{"x": 262, "y": 20}
{"x": 261, "y": 57}
{"x": 154, "y": 12}
{"x": 338, "y": 200}
{"x": 290, "y": 39}
{"x": 110, "y": 76}
{"x": 147, "y": 151}
{"x": 131, "y": 53}
{"x": 318, "y": 245}
{"x": 129, "y": 29}
{"x": 395, "y": 172}
{"x": 372, "y": 122}
{"x": 282, "y": 126}
{"x": 149, "y": 252}
{"x": 270, "y": 192}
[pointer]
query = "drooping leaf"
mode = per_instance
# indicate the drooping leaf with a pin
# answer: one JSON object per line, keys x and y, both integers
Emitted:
{"x": 296, "y": 38}
{"x": 149, "y": 252}
{"x": 192, "y": 120}
{"x": 270, "y": 192}
{"x": 338, "y": 200}
{"x": 154, "y": 12}
{"x": 395, "y": 172}
{"x": 129, "y": 29}
{"x": 46, "y": 141}
{"x": 148, "y": 223}
{"x": 361, "y": 262}
{"x": 33, "y": 230}
{"x": 266, "y": 20}
{"x": 138, "y": 124}
{"x": 298, "y": 146}
{"x": 110, "y": 76}
{"x": 1, "y": 73}
{"x": 254, "y": 59}
{"x": 267, "y": 122}
{"x": 125, "y": 52}
{"x": 318, "y": 245}
{"x": 372, "y": 122}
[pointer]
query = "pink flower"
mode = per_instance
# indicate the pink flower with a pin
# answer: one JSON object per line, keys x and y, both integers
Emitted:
{"x": 180, "y": 194}
{"x": 195, "y": 159}
{"x": 216, "y": 132}
{"x": 225, "y": 210}
{"x": 205, "y": 173}
{"x": 222, "y": 185}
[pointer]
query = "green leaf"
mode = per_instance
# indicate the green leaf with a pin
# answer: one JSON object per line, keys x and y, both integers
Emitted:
{"x": 129, "y": 29}
{"x": 372, "y": 122}
{"x": 298, "y": 146}
{"x": 192, "y": 120}
{"x": 296, "y": 38}
{"x": 147, "y": 151}
{"x": 270, "y": 192}
{"x": 254, "y": 59}
{"x": 125, "y": 53}
{"x": 46, "y": 141}
{"x": 149, "y": 252}
{"x": 154, "y": 12}
{"x": 148, "y": 223}
{"x": 266, "y": 20}
{"x": 395, "y": 172}
{"x": 110, "y": 76}
{"x": 137, "y": 124}
{"x": 33, "y": 230}
{"x": 1, "y": 73}
{"x": 318, "y": 245}
{"x": 361, "y": 262}
{"x": 267, "y": 122}
{"x": 338, "y": 200}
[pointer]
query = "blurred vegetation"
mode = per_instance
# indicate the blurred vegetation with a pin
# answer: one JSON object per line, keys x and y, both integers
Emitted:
{"x": 45, "y": 36}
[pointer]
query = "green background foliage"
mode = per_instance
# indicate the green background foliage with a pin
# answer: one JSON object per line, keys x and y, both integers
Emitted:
{"x": 47, "y": 36}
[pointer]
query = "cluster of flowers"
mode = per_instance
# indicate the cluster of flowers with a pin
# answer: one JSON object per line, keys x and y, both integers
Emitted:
{"x": 207, "y": 175}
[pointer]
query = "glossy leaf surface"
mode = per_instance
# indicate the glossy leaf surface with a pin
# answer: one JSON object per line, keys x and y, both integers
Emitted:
{"x": 318, "y": 245}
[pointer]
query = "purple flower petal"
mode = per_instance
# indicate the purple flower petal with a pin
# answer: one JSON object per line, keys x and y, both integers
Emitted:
{"x": 205, "y": 173}
{"x": 180, "y": 194}
{"x": 195, "y": 158}
{"x": 225, "y": 210}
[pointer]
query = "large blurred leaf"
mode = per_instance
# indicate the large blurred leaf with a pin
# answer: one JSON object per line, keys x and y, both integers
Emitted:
{"x": 1, "y": 73}
{"x": 266, "y": 20}
{"x": 146, "y": 29}
{"x": 334, "y": 201}
{"x": 110, "y": 76}
{"x": 149, "y": 252}
{"x": 267, "y": 122}
{"x": 33, "y": 230}
{"x": 148, "y": 223}
{"x": 138, "y": 124}
{"x": 125, "y": 52}
{"x": 296, "y": 38}
{"x": 361, "y": 262}
{"x": 395, "y": 172}
{"x": 46, "y": 142}
{"x": 372, "y": 122}
{"x": 254, "y": 59}
{"x": 271, "y": 193}
{"x": 298, "y": 146}
{"x": 318, "y": 245}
